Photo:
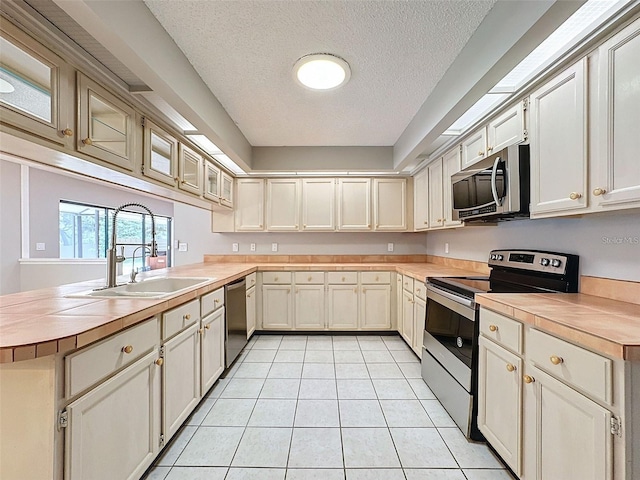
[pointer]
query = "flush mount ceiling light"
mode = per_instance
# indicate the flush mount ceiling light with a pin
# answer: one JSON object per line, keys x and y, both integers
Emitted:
{"x": 6, "y": 87}
{"x": 321, "y": 71}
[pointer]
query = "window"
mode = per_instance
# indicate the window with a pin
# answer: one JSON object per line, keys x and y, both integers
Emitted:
{"x": 85, "y": 233}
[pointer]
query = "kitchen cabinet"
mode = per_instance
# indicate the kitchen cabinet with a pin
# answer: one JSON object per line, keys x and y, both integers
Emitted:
{"x": 407, "y": 317}
{"x": 419, "y": 316}
{"x": 212, "y": 358}
{"x": 212, "y": 181}
{"x": 506, "y": 129}
{"x": 615, "y": 180}
{"x": 277, "y": 300}
{"x": 283, "y": 203}
{"x": 251, "y": 311}
{"x": 375, "y": 307}
{"x": 450, "y": 166}
{"x": 474, "y": 147}
{"x": 354, "y": 204}
{"x": 36, "y": 74}
{"x": 249, "y": 208}
{"x": 309, "y": 307}
{"x": 558, "y": 112}
{"x": 190, "y": 170}
{"x": 318, "y": 204}
{"x": 436, "y": 206}
{"x": 226, "y": 190}
{"x": 160, "y": 155}
{"x": 389, "y": 204}
{"x": 399, "y": 306}
{"x": 342, "y": 304}
{"x": 421, "y": 200}
{"x": 105, "y": 125}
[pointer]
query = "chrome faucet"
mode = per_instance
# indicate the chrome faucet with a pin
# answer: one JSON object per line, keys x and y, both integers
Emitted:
{"x": 134, "y": 272}
{"x": 112, "y": 255}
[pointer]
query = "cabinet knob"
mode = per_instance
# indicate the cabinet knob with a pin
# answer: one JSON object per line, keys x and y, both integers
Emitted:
{"x": 599, "y": 191}
{"x": 510, "y": 367}
{"x": 355, "y": 290}
{"x": 297, "y": 290}
{"x": 364, "y": 290}
{"x": 249, "y": 296}
{"x": 426, "y": 223}
{"x": 216, "y": 301}
{"x": 187, "y": 316}
{"x": 575, "y": 195}
{"x": 343, "y": 279}
{"x": 275, "y": 279}
{"x": 296, "y": 226}
{"x": 489, "y": 149}
{"x": 67, "y": 132}
{"x": 528, "y": 379}
{"x": 556, "y": 360}
{"x": 309, "y": 279}
{"x": 288, "y": 290}
{"x": 493, "y": 328}
{"x": 480, "y": 153}
{"x": 159, "y": 362}
{"x": 127, "y": 349}
{"x": 87, "y": 141}
{"x": 207, "y": 327}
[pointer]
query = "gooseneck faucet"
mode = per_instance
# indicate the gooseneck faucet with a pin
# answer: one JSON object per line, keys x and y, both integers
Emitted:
{"x": 112, "y": 255}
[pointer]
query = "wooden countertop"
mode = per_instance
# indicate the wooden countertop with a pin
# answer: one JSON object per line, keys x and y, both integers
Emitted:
{"x": 607, "y": 326}
{"x": 44, "y": 322}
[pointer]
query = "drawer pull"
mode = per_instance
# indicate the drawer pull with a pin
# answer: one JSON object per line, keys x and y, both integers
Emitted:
{"x": 127, "y": 349}
{"x": 493, "y": 328}
{"x": 364, "y": 290}
{"x": 275, "y": 279}
{"x": 309, "y": 279}
{"x": 187, "y": 316}
{"x": 419, "y": 290}
{"x": 159, "y": 362}
{"x": 377, "y": 278}
{"x": 599, "y": 191}
{"x": 207, "y": 327}
{"x": 556, "y": 360}
{"x": 355, "y": 290}
{"x": 575, "y": 195}
{"x": 528, "y": 379}
{"x": 510, "y": 367}
{"x": 67, "y": 132}
{"x": 216, "y": 301}
{"x": 201, "y": 331}
{"x": 343, "y": 279}
{"x": 87, "y": 141}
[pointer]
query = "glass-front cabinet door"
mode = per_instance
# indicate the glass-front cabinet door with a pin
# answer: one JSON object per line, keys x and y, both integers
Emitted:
{"x": 105, "y": 125}
{"x": 36, "y": 88}
{"x": 211, "y": 181}
{"x": 226, "y": 190}
{"x": 160, "y": 154}
{"x": 190, "y": 170}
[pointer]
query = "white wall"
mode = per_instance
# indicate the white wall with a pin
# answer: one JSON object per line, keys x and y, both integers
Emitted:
{"x": 595, "y": 237}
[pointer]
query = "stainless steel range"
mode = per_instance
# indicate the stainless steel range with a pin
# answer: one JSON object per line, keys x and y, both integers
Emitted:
{"x": 450, "y": 348}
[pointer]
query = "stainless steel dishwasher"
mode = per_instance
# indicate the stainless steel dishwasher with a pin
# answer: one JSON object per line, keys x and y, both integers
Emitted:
{"x": 235, "y": 300}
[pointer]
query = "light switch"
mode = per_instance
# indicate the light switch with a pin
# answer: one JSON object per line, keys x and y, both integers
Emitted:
{"x": 235, "y": 247}
{"x": 253, "y": 247}
{"x": 40, "y": 246}
{"x": 274, "y": 247}
{"x": 183, "y": 247}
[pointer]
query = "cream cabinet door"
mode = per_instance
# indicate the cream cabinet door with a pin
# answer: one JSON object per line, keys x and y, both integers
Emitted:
{"x": 318, "y": 204}
{"x": 190, "y": 170}
{"x": 436, "y": 207}
{"x": 572, "y": 433}
{"x": 500, "y": 401}
{"x": 474, "y": 147}
{"x": 421, "y": 200}
{"x": 160, "y": 155}
{"x": 277, "y": 310}
{"x": 180, "y": 379}
{"x": 226, "y": 189}
{"x": 283, "y": 204}
{"x": 558, "y": 143}
{"x": 399, "y": 305}
{"x": 450, "y": 166}
{"x": 114, "y": 430}
{"x": 212, "y": 181}
{"x": 249, "y": 205}
{"x": 616, "y": 169}
{"x": 354, "y": 204}
{"x": 506, "y": 130}
{"x": 213, "y": 333}
{"x": 342, "y": 307}
{"x": 419, "y": 317}
{"x": 375, "y": 307}
{"x": 390, "y": 204}
{"x": 251, "y": 311}
{"x": 309, "y": 303}
{"x": 407, "y": 317}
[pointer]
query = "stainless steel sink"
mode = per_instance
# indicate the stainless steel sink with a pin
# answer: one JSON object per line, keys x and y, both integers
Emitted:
{"x": 151, "y": 288}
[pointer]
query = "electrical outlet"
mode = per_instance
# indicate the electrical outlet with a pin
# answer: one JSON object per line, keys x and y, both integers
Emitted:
{"x": 389, "y": 247}
{"x": 274, "y": 247}
{"x": 235, "y": 247}
{"x": 253, "y": 247}
{"x": 40, "y": 246}
{"x": 183, "y": 247}
{"x": 446, "y": 248}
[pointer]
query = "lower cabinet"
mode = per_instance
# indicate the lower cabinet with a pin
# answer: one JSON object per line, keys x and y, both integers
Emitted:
{"x": 375, "y": 307}
{"x": 277, "y": 312}
{"x": 212, "y": 358}
{"x": 309, "y": 307}
{"x": 114, "y": 430}
{"x": 342, "y": 304}
{"x": 251, "y": 311}
{"x": 407, "y": 317}
{"x": 419, "y": 316}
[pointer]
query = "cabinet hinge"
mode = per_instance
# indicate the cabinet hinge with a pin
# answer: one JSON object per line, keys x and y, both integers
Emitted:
{"x": 525, "y": 103}
{"x": 161, "y": 441}
{"x": 525, "y": 134}
{"x": 63, "y": 419}
{"x": 161, "y": 352}
{"x": 616, "y": 426}
{"x": 143, "y": 120}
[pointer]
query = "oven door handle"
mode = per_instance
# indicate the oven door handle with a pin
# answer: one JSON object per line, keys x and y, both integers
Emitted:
{"x": 441, "y": 296}
{"x": 494, "y": 187}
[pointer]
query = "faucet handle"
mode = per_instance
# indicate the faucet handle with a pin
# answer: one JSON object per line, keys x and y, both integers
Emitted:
{"x": 132, "y": 275}
{"x": 121, "y": 258}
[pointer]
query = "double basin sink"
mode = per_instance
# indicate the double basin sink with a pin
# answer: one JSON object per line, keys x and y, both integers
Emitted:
{"x": 151, "y": 288}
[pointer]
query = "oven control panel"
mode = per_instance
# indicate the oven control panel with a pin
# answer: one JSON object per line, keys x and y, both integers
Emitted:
{"x": 530, "y": 260}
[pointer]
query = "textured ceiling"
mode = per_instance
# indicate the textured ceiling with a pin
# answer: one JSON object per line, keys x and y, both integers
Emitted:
{"x": 244, "y": 50}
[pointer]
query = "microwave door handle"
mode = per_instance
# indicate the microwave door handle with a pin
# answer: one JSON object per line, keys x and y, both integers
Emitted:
{"x": 494, "y": 188}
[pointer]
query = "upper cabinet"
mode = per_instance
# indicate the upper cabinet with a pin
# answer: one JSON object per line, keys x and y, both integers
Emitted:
{"x": 226, "y": 190}
{"x": 436, "y": 206}
{"x": 474, "y": 147}
{"x": 318, "y": 204}
{"x": 505, "y": 130}
{"x": 421, "y": 200}
{"x": 283, "y": 204}
{"x": 160, "y": 158}
{"x": 390, "y": 204}
{"x": 354, "y": 204}
{"x": 105, "y": 125}
{"x": 559, "y": 142}
{"x": 450, "y": 166}
{"x": 615, "y": 180}
{"x": 212, "y": 180}
{"x": 190, "y": 170}
{"x": 249, "y": 206}
{"x": 38, "y": 88}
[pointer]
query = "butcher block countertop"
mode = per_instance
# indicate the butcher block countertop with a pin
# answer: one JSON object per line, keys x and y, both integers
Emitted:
{"x": 44, "y": 322}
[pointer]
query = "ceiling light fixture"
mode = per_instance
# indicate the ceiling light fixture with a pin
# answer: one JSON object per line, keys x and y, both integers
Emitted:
{"x": 6, "y": 87}
{"x": 321, "y": 71}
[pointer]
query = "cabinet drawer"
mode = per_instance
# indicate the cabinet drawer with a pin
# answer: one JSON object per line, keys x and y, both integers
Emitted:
{"x": 276, "y": 277}
{"x": 407, "y": 283}
{"x": 251, "y": 280}
{"x": 337, "y": 278}
{"x": 180, "y": 317}
{"x": 420, "y": 290}
{"x": 372, "y": 278}
{"x": 310, "y": 278}
{"x": 502, "y": 330}
{"x": 88, "y": 366}
{"x": 571, "y": 364}
{"x": 211, "y": 301}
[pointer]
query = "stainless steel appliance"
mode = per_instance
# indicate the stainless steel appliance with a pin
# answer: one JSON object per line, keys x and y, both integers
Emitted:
{"x": 450, "y": 348}
{"x": 235, "y": 300}
{"x": 494, "y": 188}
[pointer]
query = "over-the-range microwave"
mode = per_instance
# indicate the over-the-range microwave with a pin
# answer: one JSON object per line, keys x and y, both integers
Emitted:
{"x": 494, "y": 188}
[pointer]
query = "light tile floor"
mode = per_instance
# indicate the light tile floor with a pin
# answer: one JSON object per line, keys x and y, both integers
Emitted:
{"x": 327, "y": 408}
